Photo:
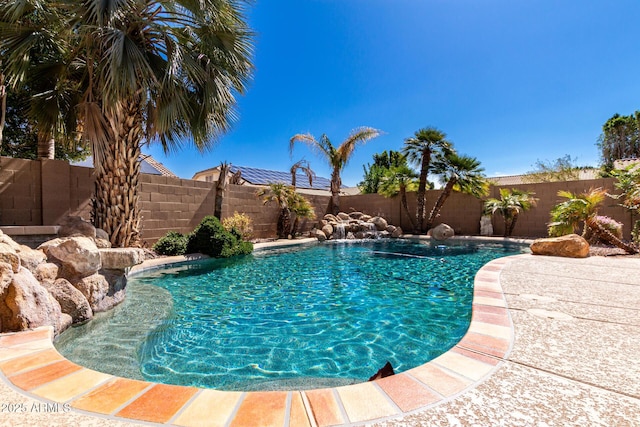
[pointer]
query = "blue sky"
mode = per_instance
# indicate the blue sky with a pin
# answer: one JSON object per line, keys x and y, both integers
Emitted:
{"x": 509, "y": 82}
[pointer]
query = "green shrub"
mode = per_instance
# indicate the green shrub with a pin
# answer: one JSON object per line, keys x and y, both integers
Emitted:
{"x": 211, "y": 238}
{"x": 173, "y": 243}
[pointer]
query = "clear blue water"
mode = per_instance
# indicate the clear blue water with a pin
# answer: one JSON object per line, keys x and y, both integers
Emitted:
{"x": 321, "y": 315}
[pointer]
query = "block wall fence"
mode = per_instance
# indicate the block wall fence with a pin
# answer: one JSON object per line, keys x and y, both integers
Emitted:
{"x": 42, "y": 192}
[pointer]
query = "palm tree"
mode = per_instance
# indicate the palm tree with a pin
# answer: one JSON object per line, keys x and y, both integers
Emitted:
{"x": 460, "y": 173}
{"x": 282, "y": 195}
{"x": 566, "y": 217}
{"x": 399, "y": 180}
{"x": 37, "y": 62}
{"x": 306, "y": 168}
{"x": 336, "y": 156}
{"x": 152, "y": 71}
{"x": 300, "y": 208}
{"x": 510, "y": 205}
{"x": 419, "y": 149}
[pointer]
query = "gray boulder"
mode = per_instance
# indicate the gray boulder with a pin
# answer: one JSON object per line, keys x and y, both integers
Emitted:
{"x": 121, "y": 258}
{"x": 442, "y": 232}
{"x": 380, "y": 223}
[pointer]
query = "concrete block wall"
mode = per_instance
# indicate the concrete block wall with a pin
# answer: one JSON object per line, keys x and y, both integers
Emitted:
{"x": 20, "y": 192}
{"x": 243, "y": 199}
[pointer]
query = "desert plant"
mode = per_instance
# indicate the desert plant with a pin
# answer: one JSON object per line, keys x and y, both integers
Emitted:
{"x": 301, "y": 208}
{"x": 568, "y": 216}
{"x": 399, "y": 180}
{"x": 173, "y": 243}
{"x": 240, "y": 222}
{"x": 510, "y": 205}
{"x": 211, "y": 238}
{"x": 628, "y": 182}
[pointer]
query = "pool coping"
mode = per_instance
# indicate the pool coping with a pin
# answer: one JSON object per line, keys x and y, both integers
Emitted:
{"x": 30, "y": 364}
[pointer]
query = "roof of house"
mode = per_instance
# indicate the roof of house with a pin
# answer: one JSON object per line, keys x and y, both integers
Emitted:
{"x": 257, "y": 176}
{"x": 148, "y": 165}
{"x": 587, "y": 173}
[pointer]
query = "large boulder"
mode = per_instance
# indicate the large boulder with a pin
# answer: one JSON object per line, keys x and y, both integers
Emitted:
{"x": 71, "y": 300}
{"x": 327, "y": 230}
{"x": 103, "y": 291}
{"x": 25, "y": 304}
{"x": 343, "y": 216}
{"x": 442, "y": 232}
{"x": 380, "y": 223}
{"x": 47, "y": 272}
{"x": 9, "y": 241}
{"x": 571, "y": 246}
{"x": 79, "y": 256}
{"x": 121, "y": 258}
{"x": 76, "y": 226}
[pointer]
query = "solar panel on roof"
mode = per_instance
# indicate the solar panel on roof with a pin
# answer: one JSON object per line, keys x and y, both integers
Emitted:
{"x": 264, "y": 177}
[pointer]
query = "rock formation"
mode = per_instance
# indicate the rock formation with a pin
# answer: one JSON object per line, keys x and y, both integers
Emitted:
{"x": 571, "y": 245}
{"x": 441, "y": 232}
{"x": 66, "y": 280}
{"x": 355, "y": 225}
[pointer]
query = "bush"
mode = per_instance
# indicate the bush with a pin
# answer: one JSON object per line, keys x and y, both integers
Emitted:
{"x": 211, "y": 238}
{"x": 241, "y": 223}
{"x": 173, "y": 243}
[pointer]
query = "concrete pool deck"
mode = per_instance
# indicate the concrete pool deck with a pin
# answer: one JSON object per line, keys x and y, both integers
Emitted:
{"x": 553, "y": 341}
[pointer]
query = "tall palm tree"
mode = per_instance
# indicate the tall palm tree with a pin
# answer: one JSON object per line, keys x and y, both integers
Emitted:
{"x": 510, "y": 205}
{"x": 459, "y": 173}
{"x": 305, "y": 167}
{"x": 152, "y": 71}
{"x": 399, "y": 180}
{"x": 419, "y": 149}
{"x": 337, "y": 157}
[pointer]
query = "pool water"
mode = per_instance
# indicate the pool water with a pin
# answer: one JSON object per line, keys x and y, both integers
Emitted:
{"x": 315, "y": 316}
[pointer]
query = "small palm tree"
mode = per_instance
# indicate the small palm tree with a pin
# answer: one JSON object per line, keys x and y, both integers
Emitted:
{"x": 568, "y": 216}
{"x": 337, "y": 157}
{"x": 419, "y": 149}
{"x": 301, "y": 208}
{"x": 510, "y": 205}
{"x": 459, "y": 173}
{"x": 281, "y": 194}
{"x": 399, "y": 180}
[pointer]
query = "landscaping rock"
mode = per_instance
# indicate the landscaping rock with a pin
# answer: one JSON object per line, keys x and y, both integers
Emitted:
{"x": 76, "y": 226}
{"x": 79, "y": 256}
{"x": 94, "y": 288}
{"x": 47, "y": 272}
{"x": 319, "y": 234}
{"x": 25, "y": 304}
{"x": 442, "y": 232}
{"x": 31, "y": 258}
{"x": 327, "y": 230}
{"x": 571, "y": 246}
{"x": 343, "y": 216}
{"x": 8, "y": 241}
{"x": 71, "y": 300}
{"x": 380, "y": 223}
{"x": 9, "y": 255}
{"x": 397, "y": 233}
{"x": 121, "y": 258}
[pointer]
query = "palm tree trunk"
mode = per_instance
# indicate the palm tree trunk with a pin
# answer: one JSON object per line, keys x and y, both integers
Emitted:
{"x": 221, "y": 187}
{"x": 3, "y": 105}
{"x": 116, "y": 200}
{"x": 512, "y": 225}
{"x": 421, "y": 195}
{"x": 284, "y": 223}
{"x": 46, "y": 147}
{"x": 336, "y": 183}
{"x": 405, "y": 205}
{"x": 610, "y": 238}
{"x": 435, "y": 212}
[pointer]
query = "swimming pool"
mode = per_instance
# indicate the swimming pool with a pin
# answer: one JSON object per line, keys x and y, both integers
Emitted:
{"x": 317, "y": 316}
